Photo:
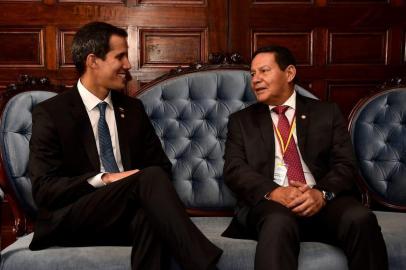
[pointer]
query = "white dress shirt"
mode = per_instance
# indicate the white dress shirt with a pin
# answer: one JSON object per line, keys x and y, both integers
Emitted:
{"x": 90, "y": 101}
{"x": 290, "y": 113}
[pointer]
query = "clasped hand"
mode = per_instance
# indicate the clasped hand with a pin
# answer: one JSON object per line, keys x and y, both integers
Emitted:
{"x": 300, "y": 198}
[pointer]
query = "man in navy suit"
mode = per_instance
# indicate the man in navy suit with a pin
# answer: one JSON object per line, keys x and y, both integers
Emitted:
{"x": 99, "y": 173}
{"x": 290, "y": 162}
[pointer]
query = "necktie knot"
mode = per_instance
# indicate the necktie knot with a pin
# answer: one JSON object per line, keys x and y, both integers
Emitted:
{"x": 102, "y": 108}
{"x": 281, "y": 109}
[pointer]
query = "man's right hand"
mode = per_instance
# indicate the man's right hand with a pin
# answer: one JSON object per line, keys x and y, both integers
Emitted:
{"x": 285, "y": 195}
{"x": 109, "y": 178}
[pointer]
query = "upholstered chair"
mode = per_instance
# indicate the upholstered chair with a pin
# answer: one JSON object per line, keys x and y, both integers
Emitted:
{"x": 378, "y": 131}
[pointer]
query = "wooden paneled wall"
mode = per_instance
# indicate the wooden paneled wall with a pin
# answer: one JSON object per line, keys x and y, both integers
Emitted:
{"x": 343, "y": 47}
{"x": 36, "y": 36}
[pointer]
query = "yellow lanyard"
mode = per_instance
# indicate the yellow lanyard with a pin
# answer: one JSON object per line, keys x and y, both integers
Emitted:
{"x": 280, "y": 139}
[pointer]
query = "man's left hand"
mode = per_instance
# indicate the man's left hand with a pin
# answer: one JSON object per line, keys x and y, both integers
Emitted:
{"x": 307, "y": 204}
{"x": 109, "y": 178}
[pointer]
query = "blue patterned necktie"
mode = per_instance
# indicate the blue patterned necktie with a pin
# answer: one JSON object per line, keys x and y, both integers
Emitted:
{"x": 105, "y": 146}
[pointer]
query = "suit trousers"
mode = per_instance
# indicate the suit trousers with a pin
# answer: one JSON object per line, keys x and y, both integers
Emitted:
{"x": 343, "y": 222}
{"x": 142, "y": 210}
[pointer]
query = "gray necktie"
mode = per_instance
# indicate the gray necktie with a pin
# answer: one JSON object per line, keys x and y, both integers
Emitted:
{"x": 105, "y": 146}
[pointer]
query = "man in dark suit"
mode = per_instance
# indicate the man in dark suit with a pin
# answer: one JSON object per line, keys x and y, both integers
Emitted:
{"x": 99, "y": 173}
{"x": 290, "y": 162}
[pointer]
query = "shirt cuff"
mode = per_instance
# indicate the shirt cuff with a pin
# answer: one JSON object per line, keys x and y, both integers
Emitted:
{"x": 96, "y": 180}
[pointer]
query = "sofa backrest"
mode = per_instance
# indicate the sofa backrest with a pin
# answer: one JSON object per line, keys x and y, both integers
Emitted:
{"x": 378, "y": 132}
{"x": 190, "y": 114}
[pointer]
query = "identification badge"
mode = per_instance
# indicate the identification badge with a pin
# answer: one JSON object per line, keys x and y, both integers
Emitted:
{"x": 280, "y": 173}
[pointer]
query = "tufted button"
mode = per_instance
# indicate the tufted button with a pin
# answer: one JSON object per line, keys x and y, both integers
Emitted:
{"x": 375, "y": 121}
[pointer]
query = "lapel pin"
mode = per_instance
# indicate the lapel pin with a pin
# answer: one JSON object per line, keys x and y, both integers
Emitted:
{"x": 121, "y": 110}
{"x": 303, "y": 116}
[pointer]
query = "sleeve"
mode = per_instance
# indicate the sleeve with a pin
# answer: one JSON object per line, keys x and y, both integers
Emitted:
{"x": 51, "y": 188}
{"x": 239, "y": 174}
{"x": 342, "y": 162}
{"x": 96, "y": 180}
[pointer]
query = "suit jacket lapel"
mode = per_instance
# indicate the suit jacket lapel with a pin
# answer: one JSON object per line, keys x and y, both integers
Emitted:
{"x": 264, "y": 121}
{"x": 302, "y": 121}
{"x": 84, "y": 128}
{"x": 123, "y": 125}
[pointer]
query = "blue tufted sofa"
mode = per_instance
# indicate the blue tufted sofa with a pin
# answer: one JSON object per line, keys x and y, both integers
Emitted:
{"x": 189, "y": 111}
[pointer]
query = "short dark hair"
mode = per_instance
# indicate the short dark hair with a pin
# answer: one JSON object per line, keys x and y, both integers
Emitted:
{"x": 283, "y": 56}
{"x": 93, "y": 38}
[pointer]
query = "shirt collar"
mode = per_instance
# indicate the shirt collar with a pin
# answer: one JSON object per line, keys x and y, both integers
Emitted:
{"x": 291, "y": 102}
{"x": 91, "y": 100}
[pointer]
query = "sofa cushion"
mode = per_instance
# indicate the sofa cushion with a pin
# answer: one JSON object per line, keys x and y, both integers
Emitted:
{"x": 393, "y": 230}
{"x": 238, "y": 254}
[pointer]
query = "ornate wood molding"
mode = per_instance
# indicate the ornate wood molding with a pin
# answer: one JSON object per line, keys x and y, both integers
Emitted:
{"x": 226, "y": 59}
{"x": 28, "y": 83}
{"x": 393, "y": 83}
{"x": 216, "y": 61}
